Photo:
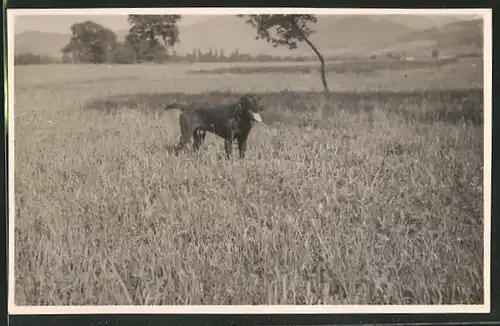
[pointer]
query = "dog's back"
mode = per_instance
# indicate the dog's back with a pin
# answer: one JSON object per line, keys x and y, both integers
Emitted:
{"x": 173, "y": 106}
{"x": 215, "y": 116}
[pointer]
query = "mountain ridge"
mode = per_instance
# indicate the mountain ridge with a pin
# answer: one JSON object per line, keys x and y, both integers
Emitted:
{"x": 334, "y": 35}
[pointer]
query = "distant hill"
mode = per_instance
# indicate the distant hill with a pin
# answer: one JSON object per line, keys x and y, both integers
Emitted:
{"x": 456, "y": 33}
{"x": 41, "y": 43}
{"x": 460, "y": 36}
{"x": 334, "y": 34}
{"x": 355, "y": 33}
{"x": 421, "y": 22}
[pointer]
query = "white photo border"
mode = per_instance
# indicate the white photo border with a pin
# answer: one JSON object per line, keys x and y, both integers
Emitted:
{"x": 486, "y": 15}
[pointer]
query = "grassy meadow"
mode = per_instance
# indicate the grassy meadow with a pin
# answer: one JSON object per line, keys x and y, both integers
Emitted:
{"x": 338, "y": 67}
{"x": 372, "y": 194}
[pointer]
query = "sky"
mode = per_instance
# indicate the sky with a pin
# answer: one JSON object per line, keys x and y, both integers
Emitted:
{"x": 61, "y": 25}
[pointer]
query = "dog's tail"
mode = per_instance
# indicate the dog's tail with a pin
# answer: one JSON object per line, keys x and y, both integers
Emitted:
{"x": 175, "y": 106}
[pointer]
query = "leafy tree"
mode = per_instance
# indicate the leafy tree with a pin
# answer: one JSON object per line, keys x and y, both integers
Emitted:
{"x": 289, "y": 30}
{"x": 33, "y": 59}
{"x": 152, "y": 28}
{"x": 153, "y": 51}
{"x": 66, "y": 58}
{"x": 124, "y": 53}
{"x": 91, "y": 42}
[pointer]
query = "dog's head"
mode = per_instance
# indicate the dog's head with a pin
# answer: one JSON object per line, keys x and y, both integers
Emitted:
{"x": 251, "y": 107}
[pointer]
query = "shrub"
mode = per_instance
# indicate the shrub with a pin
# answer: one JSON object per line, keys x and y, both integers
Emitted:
{"x": 33, "y": 59}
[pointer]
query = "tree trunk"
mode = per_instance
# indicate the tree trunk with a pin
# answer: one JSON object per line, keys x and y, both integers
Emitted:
{"x": 320, "y": 57}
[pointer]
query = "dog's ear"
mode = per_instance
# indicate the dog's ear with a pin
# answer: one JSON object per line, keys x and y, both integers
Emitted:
{"x": 249, "y": 101}
{"x": 244, "y": 100}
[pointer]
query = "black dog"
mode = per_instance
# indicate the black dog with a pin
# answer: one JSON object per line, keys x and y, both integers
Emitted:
{"x": 231, "y": 122}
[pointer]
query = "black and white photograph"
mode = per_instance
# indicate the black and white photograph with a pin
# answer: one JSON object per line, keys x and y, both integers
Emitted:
{"x": 249, "y": 160}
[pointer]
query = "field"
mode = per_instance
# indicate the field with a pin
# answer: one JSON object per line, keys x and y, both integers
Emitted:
{"x": 372, "y": 194}
{"x": 338, "y": 67}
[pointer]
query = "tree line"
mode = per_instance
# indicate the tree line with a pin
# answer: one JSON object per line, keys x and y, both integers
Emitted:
{"x": 124, "y": 54}
{"x": 93, "y": 43}
{"x": 151, "y": 37}
{"x": 197, "y": 55}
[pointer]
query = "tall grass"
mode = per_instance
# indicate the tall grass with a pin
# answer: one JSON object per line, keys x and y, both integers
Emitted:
{"x": 351, "y": 198}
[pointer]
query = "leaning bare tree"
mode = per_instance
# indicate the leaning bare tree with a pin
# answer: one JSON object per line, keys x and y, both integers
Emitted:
{"x": 289, "y": 30}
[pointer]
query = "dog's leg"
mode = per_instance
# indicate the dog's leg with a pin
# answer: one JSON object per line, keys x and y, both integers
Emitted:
{"x": 199, "y": 137}
{"x": 186, "y": 132}
{"x": 182, "y": 143}
{"x": 228, "y": 144}
{"x": 242, "y": 145}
